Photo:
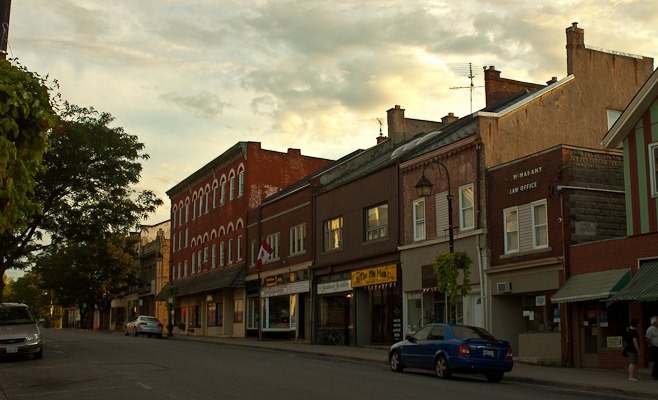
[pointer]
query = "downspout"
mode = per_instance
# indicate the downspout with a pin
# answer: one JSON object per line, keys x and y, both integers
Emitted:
{"x": 482, "y": 258}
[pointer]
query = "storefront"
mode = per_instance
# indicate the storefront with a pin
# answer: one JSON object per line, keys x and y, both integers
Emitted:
{"x": 593, "y": 330}
{"x": 284, "y": 303}
{"x": 334, "y": 312}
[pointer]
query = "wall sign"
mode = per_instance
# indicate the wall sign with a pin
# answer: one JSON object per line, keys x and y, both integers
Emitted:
{"x": 375, "y": 276}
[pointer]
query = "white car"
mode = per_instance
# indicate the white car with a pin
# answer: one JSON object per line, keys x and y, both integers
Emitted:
{"x": 144, "y": 325}
{"x": 20, "y": 331}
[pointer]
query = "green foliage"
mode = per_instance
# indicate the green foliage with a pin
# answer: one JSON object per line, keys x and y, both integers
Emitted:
{"x": 29, "y": 289}
{"x": 26, "y": 114}
{"x": 89, "y": 273}
{"x": 86, "y": 190}
{"x": 447, "y": 269}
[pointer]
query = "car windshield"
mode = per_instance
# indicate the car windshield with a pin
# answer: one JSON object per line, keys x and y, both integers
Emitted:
{"x": 150, "y": 319}
{"x": 471, "y": 332}
{"x": 15, "y": 316}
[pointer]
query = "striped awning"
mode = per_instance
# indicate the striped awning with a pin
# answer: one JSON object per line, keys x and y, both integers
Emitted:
{"x": 592, "y": 286}
{"x": 643, "y": 286}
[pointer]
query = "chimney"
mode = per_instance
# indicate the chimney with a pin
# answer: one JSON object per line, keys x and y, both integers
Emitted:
{"x": 381, "y": 139}
{"x": 575, "y": 41}
{"x": 449, "y": 119}
{"x": 491, "y": 85}
{"x": 294, "y": 152}
{"x": 552, "y": 81}
{"x": 396, "y": 124}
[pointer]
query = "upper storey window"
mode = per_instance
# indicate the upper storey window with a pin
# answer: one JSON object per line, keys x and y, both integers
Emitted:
{"x": 333, "y": 234}
{"x": 377, "y": 222}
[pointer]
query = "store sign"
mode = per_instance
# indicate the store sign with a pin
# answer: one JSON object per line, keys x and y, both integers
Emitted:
{"x": 375, "y": 276}
{"x": 529, "y": 173}
{"x": 288, "y": 288}
{"x": 614, "y": 342}
{"x": 334, "y": 287}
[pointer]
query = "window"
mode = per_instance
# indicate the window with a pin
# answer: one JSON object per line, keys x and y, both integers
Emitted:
{"x": 297, "y": 239}
{"x": 173, "y": 243}
{"x": 333, "y": 234}
{"x": 466, "y": 208}
{"x": 539, "y": 225}
{"x": 205, "y": 254}
{"x": 179, "y": 270}
{"x": 207, "y": 200}
{"x": 240, "y": 183}
{"x": 185, "y": 268}
{"x": 377, "y": 222}
{"x": 200, "y": 203}
{"x": 511, "y": 221}
{"x": 180, "y": 242}
{"x": 193, "y": 262}
{"x": 653, "y": 168}
{"x": 174, "y": 218}
{"x": 214, "y": 195}
{"x": 239, "y": 248}
{"x": 215, "y": 314}
{"x": 419, "y": 219}
{"x": 613, "y": 116}
{"x": 214, "y": 256}
{"x": 273, "y": 241}
{"x": 222, "y": 192}
{"x": 194, "y": 208}
{"x": 221, "y": 254}
{"x": 252, "y": 313}
{"x": 186, "y": 237}
{"x": 231, "y": 188}
{"x": 187, "y": 211}
{"x": 230, "y": 251}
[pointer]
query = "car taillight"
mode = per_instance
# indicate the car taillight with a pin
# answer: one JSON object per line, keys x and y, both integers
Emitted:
{"x": 142, "y": 323}
{"x": 463, "y": 351}
{"x": 510, "y": 355}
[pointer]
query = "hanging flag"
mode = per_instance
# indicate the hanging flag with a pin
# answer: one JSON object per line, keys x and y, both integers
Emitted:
{"x": 264, "y": 254}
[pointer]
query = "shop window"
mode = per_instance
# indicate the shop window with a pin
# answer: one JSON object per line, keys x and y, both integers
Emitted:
{"x": 279, "y": 313}
{"x": 538, "y": 314}
{"x": 377, "y": 222}
{"x": 215, "y": 314}
{"x": 252, "y": 313}
{"x": 195, "y": 320}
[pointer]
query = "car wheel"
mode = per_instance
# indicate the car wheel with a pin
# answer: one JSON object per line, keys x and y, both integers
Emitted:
{"x": 39, "y": 355}
{"x": 441, "y": 368}
{"x": 496, "y": 376}
{"x": 394, "y": 362}
{"x": 127, "y": 333}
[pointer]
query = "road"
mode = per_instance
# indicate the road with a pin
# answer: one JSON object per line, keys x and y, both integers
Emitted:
{"x": 91, "y": 365}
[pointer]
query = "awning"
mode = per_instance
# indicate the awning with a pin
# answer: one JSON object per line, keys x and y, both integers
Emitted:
{"x": 643, "y": 286}
{"x": 220, "y": 278}
{"x": 592, "y": 286}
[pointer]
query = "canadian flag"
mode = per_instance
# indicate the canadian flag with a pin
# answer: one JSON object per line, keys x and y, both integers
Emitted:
{"x": 264, "y": 254}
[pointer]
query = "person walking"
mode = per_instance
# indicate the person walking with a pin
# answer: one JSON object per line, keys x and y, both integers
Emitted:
{"x": 632, "y": 348}
{"x": 652, "y": 338}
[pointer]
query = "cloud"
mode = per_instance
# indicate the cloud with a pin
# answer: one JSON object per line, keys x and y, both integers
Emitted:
{"x": 203, "y": 104}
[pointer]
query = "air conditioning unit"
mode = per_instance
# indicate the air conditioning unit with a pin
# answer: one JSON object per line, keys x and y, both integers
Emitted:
{"x": 504, "y": 287}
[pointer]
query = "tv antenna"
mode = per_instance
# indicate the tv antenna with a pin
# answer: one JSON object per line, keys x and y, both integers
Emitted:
{"x": 465, "y": 70}
{"x": 380, "y": 126}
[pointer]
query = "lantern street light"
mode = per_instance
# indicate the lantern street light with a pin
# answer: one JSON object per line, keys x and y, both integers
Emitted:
{"x": 424, "y": 189}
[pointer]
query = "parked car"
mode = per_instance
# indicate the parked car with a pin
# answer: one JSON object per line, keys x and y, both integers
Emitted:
{"x": 450, "y": 348}
{"x": 20, "y": 331}
{"x": 144, "y": 325}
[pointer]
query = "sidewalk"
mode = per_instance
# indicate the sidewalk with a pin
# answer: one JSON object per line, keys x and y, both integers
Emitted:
{"x": 590, "y": 379}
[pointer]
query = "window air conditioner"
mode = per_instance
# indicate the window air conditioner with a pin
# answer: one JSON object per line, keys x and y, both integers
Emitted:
{"x": 504, "y": 287}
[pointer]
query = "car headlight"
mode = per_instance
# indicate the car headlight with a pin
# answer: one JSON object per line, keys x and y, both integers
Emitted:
{"x": 33, "y": 338}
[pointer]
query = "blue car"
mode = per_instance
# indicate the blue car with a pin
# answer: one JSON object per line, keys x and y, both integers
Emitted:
{"x": 449, "y": 348}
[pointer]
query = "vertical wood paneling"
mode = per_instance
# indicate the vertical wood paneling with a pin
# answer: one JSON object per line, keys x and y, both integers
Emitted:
{"x": 525, "y": 227}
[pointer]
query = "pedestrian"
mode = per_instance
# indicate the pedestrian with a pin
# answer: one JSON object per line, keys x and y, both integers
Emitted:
{"x": 652, "y": 338}
{"x": 632, "y": 348}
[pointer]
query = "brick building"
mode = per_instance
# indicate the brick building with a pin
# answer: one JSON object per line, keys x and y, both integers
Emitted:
{"x": 209, "y": 245}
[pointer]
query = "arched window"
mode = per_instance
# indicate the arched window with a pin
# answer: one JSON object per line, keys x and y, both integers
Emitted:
{"x": 240, "y": 180}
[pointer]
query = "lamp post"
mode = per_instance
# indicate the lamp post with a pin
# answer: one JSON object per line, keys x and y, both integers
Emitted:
{"x": 424, "y": 189}
{"x": 170, "y": 322}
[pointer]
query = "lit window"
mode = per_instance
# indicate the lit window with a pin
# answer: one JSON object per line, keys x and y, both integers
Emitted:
{"x": 466, "y": 208}
{"x": 511, "y": 220}
{"x": 377, "y": 222}
{"x": 419, "y": 219}
{"x": 333, "y": 234}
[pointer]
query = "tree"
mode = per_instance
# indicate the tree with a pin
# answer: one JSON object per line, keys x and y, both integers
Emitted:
{"x": 447, "y": 268}
{"x": 26, "y": 114}
{"x": 86, "y": 190}
{"x": 29, "y": 289}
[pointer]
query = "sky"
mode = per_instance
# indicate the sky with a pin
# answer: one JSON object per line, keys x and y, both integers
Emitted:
{"x": 191, "y": 78}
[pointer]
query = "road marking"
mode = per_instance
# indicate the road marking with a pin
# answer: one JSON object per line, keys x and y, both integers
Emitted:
{"x": 142, "y": 385}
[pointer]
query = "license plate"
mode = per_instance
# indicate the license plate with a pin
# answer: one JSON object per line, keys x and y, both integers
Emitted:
{"x": 12, "y": 349}
{"x": 488, "y": 353}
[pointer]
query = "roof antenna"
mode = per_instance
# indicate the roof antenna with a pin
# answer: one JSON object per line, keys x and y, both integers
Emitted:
{"x": 380, "y": 127}
{"x": 462, "y": 69}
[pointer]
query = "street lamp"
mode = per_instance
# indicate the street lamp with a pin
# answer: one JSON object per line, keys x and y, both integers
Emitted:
{"x": 424, "y": 189}
{"x": 170, "y": 322}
